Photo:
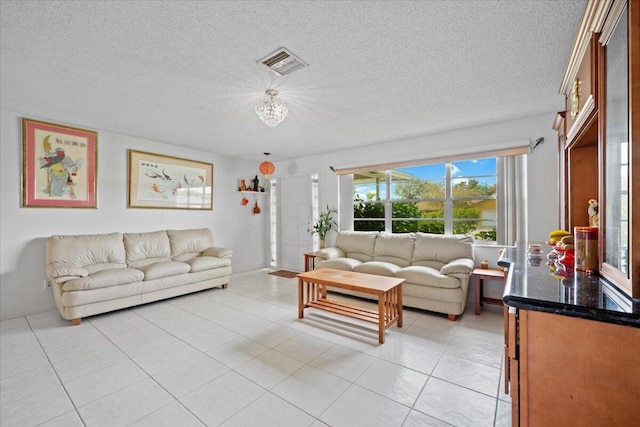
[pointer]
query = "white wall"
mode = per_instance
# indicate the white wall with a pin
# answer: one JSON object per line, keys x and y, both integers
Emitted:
{"x": 541, "y": 164}
{"x": 23, "y": 230}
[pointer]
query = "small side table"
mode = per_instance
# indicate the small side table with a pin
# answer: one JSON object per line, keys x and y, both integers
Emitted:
{"x": 309, "y": 261}
{"x": 479, "y": 275}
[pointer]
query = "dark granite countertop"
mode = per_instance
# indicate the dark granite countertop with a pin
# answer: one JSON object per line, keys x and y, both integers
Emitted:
{"x": 532, "y": 284}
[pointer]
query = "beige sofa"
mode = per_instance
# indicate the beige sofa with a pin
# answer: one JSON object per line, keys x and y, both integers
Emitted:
{"x": 436, "y": 267}
{"x": 97, "y": 273}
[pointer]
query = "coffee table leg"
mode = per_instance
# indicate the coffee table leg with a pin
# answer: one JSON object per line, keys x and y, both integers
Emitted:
{"x": 381, "y": 318}
{"x": 323, "y": 291}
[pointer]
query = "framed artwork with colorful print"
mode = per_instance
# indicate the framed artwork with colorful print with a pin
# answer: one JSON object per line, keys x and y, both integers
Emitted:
{"x": 157, "y": 181}
{"x": 59, "y": 166}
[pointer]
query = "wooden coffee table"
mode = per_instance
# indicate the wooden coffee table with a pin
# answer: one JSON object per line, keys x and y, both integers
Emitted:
{"x": 312, "y": 292}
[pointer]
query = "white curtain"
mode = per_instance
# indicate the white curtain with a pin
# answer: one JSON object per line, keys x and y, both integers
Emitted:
{"x": 345, "y": 207}
{"x": 512, "y": 199}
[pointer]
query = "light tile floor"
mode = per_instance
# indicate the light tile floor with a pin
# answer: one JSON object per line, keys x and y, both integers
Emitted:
{"x": 241, "y": 357}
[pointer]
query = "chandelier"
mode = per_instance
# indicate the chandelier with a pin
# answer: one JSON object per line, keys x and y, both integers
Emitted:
{"x": 271, "y": 109}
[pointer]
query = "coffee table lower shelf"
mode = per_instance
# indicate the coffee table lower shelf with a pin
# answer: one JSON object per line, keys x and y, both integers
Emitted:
{"x": 346, "y": 310}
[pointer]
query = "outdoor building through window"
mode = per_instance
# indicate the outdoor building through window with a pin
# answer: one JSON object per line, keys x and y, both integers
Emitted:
{"x": 458, "y": 197}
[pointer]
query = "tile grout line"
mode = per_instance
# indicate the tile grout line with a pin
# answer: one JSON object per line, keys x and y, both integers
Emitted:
{"x": 64, "y": 388}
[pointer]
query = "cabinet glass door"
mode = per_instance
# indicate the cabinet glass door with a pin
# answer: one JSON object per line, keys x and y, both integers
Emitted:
{"x": 616, "y": 150}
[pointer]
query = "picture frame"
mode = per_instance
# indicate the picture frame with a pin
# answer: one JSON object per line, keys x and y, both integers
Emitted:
{"x": 157, "y": 181}
{"x": 59, "y": 166}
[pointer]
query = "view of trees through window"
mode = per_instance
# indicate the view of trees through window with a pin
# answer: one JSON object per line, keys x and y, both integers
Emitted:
{"x": 446, "y": 198}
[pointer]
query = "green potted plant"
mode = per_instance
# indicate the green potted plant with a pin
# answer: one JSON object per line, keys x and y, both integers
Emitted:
{"x": 323, "y": 224}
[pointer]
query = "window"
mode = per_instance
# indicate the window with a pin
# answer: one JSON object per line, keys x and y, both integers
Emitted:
{"x": 458, "y": 197}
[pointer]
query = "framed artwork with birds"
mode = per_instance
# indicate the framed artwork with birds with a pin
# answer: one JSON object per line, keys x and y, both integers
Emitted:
{"x": 157, "y": 181}
{"x": 59, "y": 166}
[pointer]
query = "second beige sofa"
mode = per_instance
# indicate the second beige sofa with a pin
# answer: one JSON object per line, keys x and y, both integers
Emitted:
{"x": 436, "y": 267}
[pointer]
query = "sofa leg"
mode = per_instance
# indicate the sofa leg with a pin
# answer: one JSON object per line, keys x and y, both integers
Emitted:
{"x": 452, "y": 317}
{"x": 225, "y": 286}
{"x": 75, "y": 322}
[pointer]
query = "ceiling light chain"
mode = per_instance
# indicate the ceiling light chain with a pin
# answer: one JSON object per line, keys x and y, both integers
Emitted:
{"x": 270, "y": 109}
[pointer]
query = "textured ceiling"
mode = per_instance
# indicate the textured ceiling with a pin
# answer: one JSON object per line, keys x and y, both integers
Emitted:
{"x": 185, "y": 72}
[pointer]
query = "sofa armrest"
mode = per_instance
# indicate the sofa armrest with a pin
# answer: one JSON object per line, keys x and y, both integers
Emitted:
{"x": 61, "y": 270}
{"x": 218, "y": 252}
{"x": 462, "y": 266}
{"x": 328, "y": 253}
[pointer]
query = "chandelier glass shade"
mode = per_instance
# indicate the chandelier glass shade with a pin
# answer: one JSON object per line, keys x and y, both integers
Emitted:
{"x": 271, "y": 109}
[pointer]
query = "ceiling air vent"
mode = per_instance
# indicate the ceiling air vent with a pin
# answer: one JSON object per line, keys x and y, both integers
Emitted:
{"x": 283, "y": 62}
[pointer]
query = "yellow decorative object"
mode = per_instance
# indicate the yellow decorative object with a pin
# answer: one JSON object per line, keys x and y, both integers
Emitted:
{"x": 575, "y": 98}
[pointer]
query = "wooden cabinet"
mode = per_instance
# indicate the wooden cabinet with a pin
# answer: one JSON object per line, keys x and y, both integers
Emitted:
{"x": 580, "y": 149}
{"x": 568, "y": 371}
{"x": 601, "y": 151}
{"x": 581, "y": 157}
{"x": 581, "y": 97}
{"x": 511, "y": 362}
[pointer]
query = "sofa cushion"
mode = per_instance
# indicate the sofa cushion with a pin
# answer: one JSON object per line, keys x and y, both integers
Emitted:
{"x": 62, "y": 279}
{"x": 218, "y": 252}
{"x": 189, "y": 242}
{"x": 347, "y": 264}
{"x": 394, "y": 248}
{"x": 357, "y": 244}
{"x": 328, "y": 253}
{"x": 427, "y": 276}
{"x": 377, "y": 267}
{"x": 462, "y": 266}
{"x": 164, "y": 269}
{"x": 85, "y": 249}
{"x": 436, "y": 265}
{"x": 104, "y": 279}
{"x": 60, "y": 269}
{"x": 140, "y": 246}
{"x": 203, "y": 263}
{"x": 441, "y": 249}
{"x": 147, "y": 261}
{"x": 94, "y": 268}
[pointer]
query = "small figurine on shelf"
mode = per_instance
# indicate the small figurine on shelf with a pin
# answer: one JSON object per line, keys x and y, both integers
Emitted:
{"x": 255, "y": 181}
{"x": 243, "y": 185}
{"x": 594, "y": 217}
